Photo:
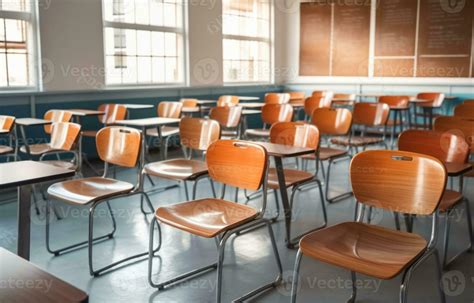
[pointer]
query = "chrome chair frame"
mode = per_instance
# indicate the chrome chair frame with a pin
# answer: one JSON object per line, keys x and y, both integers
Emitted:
{"x": 220, "y": 243}
{"x": 430, "y": 250}
{"x": 137, "y": 190}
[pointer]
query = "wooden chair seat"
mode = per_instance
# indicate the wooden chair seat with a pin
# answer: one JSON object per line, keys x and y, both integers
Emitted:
{"x": 88, "y": 190}
{"x": 368, "y": 249}
{"x": 258, "y": 132}
{"x": 62, "y": 164}
{"x": 326, "y": 153}
{"x": 5, "y": 150}
{"x": 206, "y": 217}
{"x": 166, "y": 131}
{"x": 89, "y": 133}
{"x": 356, "y": 141}
{"x": 449, "y": 200}
{"x": 177, "y": 169}
{"x": 292, "y": 177}
{"x": 37, "y": 149}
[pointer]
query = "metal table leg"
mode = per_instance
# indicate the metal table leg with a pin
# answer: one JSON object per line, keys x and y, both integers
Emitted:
{"x": 284, "y": 200}
{"x": 24, "y": 208}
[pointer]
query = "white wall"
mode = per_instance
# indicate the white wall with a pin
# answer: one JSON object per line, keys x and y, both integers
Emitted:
{"x": 71, "y": 40}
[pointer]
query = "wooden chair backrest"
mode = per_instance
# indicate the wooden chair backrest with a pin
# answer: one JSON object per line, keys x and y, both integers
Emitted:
{"x": 347, "y": 97}
{"x": 398, "y": 181}
{"x": 297, "y": 97}
{"x": 7, "y": 123}
{"x": 327, "y": 95}
{"x": 332, "y": 121}
{"x": 119, "y": 145}
{"x": 297, "y": 134}
{"x": 465, "y": 110}
{"x": 311, "y": 103}
{"x": 272, "y": 113}
{"x": 187, "y": 102}
{"x": 55, "y": 115}
{"x": 277, "y": 98}
{"x": 435, "y": 99}
{"x": 198, "y": 133}
{"x": 370, "y": 114}
{"x": 113, "y": 112}
{"x": 228, "y": 100}
{"x": 459, "y": 126}
{"x": 167, "y": 109}
{"x": 237, "y": 163}
{"x": 395, "y": 101}
{"x": 444, "y": 146}
{"x": 64, "y": 135}
{"x": 227, "y": 116}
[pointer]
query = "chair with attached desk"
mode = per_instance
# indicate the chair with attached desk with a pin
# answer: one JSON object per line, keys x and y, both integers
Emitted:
{"x": 166, "y": 109}
{"x": 399, "y": 105}
{"x": 277, "y": 98}
{"x": 233, "y": 163}
{"x": 331, "y": 122}
{"x": 365, "y": 116}
{"x": 296, "y": 97}
{"x": 195, "y": 134}
{"x": 112, "y": 113}
{"x": 297, "y": 134}
{"x": 450, "y": 149}
{"x": 435, "y": 102}
{"x": 115, "y": 145}
{"x": 311, "y": 103}
{"x": 7, "y": 128}
{"x": 391, "y": 180}
{"x": 271, "y": 113}
{"x": 343, "y": 100}
{"x": 229, "y": 118}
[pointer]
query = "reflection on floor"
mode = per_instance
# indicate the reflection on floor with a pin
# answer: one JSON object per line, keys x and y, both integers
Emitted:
{"x": 249, "y": 260}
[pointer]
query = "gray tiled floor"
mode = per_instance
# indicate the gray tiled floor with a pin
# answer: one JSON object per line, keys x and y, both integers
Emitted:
{"x": 249, "y": 259}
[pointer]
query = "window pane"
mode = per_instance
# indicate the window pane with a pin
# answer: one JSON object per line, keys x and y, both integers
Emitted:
{"x": 17, "y": 65}
{"x": 15, "y": 5}
{"x": 146, "y": 55}
{"x": 3, "y": 70}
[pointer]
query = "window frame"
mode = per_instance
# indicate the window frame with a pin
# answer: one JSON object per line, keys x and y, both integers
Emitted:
{"x": 270, "y": 40}
{"x": 33, "y": 49}
{"x": 182, "y": 30}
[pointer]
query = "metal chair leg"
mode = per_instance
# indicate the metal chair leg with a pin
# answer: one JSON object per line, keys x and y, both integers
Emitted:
{"x": 296, "y": 273}
{"x": 212, "y": 188}
{"x": 328, "y": 178}
{"x": 186, "y": 190}
{"x": 352, "y": 299}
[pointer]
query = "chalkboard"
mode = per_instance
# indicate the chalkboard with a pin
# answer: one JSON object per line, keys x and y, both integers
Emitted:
{"x": 314, "y": 39}
{"x": 351, "y": 39}
{"x": 395, "y": 33}
{"x": 425, "y": 38}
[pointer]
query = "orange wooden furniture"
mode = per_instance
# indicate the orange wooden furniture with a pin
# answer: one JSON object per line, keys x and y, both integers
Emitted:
{"x": 331, "y": 122}
{"x": 296, "y": 97}
{"x": 233, "y": 163}
{"x": 277, "y": 98}
{"x": 435, "y": 101}
{"x": 326, "y": 95}
{"x": 465, "y": 110}
{"x": 117, "y": 146}
{"x": 399, "y": 105}
{"x": 365, "y": 115}
{"x": 343, "y": 99}
{"x": 188, "y": 102}
{"x": 229, "y": 118}
{"x": 166, "y": 109}
{"x": 271, "y": 113}
{"x": 196, "y": 134}
{"x": 300, "y": 135}
{"x": 392, "y": 180}
{"x": 113, "y": 112}
{"x": 311, "y": 103}
{"x": 7, "y": 128}
{"x": 448, "y": 148}
{"x": 55, "y": 115}
{"x": 227, "y": 100}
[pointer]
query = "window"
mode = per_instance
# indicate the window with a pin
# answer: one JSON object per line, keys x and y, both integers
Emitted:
{"x": 247, "y": 40}
{"x": 144, "y": 41}
{"x": 17, "y": 44}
